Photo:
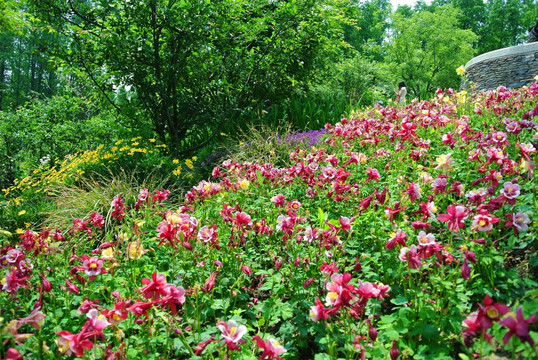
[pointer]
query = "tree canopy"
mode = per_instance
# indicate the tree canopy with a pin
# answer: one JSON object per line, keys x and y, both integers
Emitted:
{"x": 427, "y": 47}
{"x": 195, "y": 65}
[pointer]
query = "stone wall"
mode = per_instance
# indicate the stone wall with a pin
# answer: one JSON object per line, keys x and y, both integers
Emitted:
{"x": 512, "y": 67}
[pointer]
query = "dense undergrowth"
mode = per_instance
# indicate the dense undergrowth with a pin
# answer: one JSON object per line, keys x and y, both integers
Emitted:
{"x": 401, "y": 232}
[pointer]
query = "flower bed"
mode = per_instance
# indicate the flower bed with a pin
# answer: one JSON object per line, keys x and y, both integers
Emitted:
{"x": 407, "y": 233}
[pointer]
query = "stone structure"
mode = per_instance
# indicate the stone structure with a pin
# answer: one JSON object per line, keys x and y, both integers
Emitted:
{"x": 512, "y": 67}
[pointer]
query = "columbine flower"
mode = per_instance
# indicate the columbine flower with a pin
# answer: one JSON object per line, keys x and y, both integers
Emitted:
{"x": 278, "y": 200}
{"x": 454, "y": 216}
{"x": 444, "y": 162}
{"x": 411, "y": 255}
{"x": 135, "y": 250}
{"x": 414, "y": 192}
{"x": 318, "y": 312}
{"x": 244, "y": 183}
{"x": 108, "y": 253}
{"x": 373, "y": 174}
{"x": 518, "y": 326}
{"x": 93, "y": 266}
{"x": 521, "y": 221}
{"x": 271, "y": 348}
{"x": 207, "y": 234}
{"x": 484, "y": 221}
{"x": 510, "y": 191}
{"x": 461, "y": 70}
{"x": 232, "y": 333}
{"x": 425, "y": 239}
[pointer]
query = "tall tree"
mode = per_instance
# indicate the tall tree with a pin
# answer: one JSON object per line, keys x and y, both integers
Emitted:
{"x": 505, "y": 24}
{"x": 195, "y": 65}
{"x": 427, "y": 48}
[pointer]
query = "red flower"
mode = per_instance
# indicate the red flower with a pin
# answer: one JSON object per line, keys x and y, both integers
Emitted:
{"x": 210, "y": 283}
{"x": 117, "y": 314}
{"x": 518, "y": 326}
{"x": 232, "y": 333}
{"x": 155, "y": 287}
{"x": 278, "y": 200}
{"x": 73, "y": 343}
{"x": 318, "y": 312}
{"x": 271, "y": 348}
{"x": 454, "y": 216}
{"x": 119, "y": 208}
{"x": 246, "y": 269}
{"x": 373, "y": 174}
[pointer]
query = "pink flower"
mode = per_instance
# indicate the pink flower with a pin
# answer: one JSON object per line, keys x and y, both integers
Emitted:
{"x": 232, "y": 333}
{"x": 373, "y": 174}
{"x": 13, "y": 354}
{"x": 242, "y": 219}
{"x": 345, "y": 223}
{"x": 209, "y": 283}
{"x": 97, "y": 220}
{"x": 398, "y": 238}
{"x": 510, "y": 191}
{"x": 246, "y": 269}
{"x": 155, "y": 287}
{"x": 411, "y": 255}
{"x": 97, "y": 321}
{"x": 454, "y": 216}
{"x": 72, "y": 287}
{"x": 69, "y": 343}
{"x": 119, "y": 313}
{"x": 93, "y": 266}
{"x": 414, "y": 192}
{"x": 35, "y": 319}
{"x": 483, "y": 221}
{"x": 278, "y": 200}
{"x": 521, "y": 221}
{"x": 174, "y": 295}
{"x": 160, "y": 196}
{"x": 207, "y": 234}
{"x": 271, "y": 348}
{"x": 517, "y": 325}
{"x": 119, "y": 208}
{"x": 425, "y": 239}
{"x": 318, "y": 312}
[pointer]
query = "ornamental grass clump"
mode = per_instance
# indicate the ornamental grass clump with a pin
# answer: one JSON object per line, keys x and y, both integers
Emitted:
{"x": 404, "y": 233}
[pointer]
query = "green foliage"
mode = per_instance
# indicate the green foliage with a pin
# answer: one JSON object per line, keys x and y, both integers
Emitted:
{"x": 47, "y": 130}
{"x": 427, "y": 48}
{"x": 196, "y": 65}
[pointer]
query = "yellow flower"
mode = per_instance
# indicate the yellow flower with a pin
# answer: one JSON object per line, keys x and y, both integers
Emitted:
{"x": 22, "y": 212}
{"x": 135, "y": 250}
{"x": 108, "y": 254}
{"x": 189, "y": 164}
{"x": 151, "y": 140}
{"x": 118, "y": 142}
{"x": 536, "y": 78}
{"x": 123, "y": 236}
{"x": 194, "y": 158}
{"x": 461, "y": 70}
{"x": 175, "y": 161}
{"x": 243, "y": 184}
{"x": 19, "y": 231}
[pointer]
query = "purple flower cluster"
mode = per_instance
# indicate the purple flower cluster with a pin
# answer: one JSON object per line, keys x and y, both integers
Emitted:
{"x": 211, "y": 159}
{"x": 309, "y": 138}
